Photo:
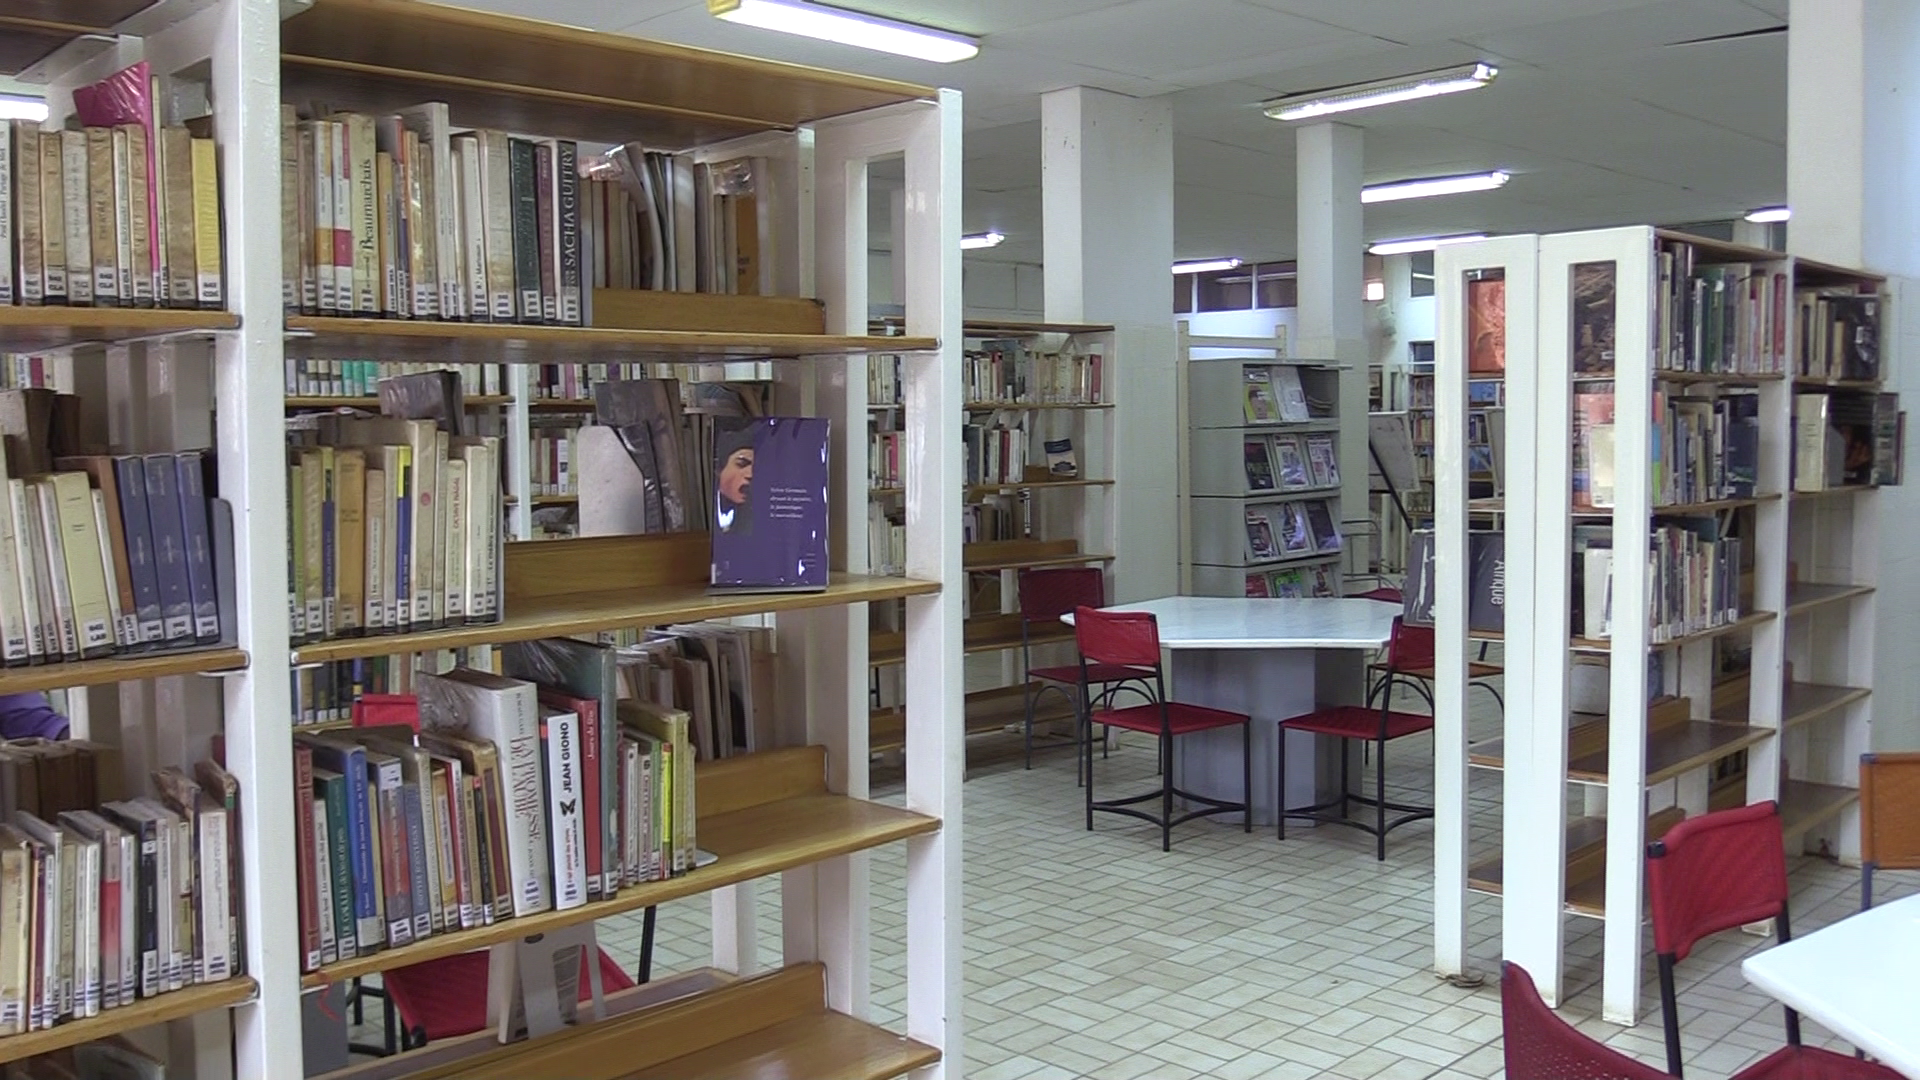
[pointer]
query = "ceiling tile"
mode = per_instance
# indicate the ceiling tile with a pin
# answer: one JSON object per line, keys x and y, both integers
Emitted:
{"x": 1157, "y": 39}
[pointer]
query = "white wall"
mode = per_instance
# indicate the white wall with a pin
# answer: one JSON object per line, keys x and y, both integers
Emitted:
{"x": 989, "y": 289}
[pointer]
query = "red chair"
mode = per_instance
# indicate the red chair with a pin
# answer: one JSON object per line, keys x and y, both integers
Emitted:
{"x": 1541, "y": 1046}
{"x": 1131, "y": 640}
{"x": 1045, "y": 595}
{"x": 1408, "y": 647}
{"x": 440, "y": 999}
{"x": 1715, "y": 872}
{"x": 1422, "y": 678}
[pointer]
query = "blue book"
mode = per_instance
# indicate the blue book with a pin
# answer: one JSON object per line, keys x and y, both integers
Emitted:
{"x": 350, "y": 761}
{"x": 169, "y": 549}
{"x": 194, "y": 517}
{"x": 131, "y": 478}
{"x": 770, "y": 504}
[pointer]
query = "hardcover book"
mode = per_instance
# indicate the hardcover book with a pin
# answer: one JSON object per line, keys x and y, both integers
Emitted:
{"x": 1062, "y": 464}
{"x": 1260, "y": 541}
{"x": 1260, "y": 405}
{"x": 1326, "y": 536}
{"x": 770, "y": 532}
{"x": 1323, "y": 460}
{"x": 1296, "y": 531}
{"x": 1292, "y": 459}
{"x": 1259, "y": 466}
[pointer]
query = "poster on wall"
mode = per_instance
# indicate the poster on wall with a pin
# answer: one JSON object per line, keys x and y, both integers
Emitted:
{"x": 1487, "y": 324}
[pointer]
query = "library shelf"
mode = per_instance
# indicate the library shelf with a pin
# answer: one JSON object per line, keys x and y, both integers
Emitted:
{"x": 1717, "y": 378}
{"x": 1810, "y": 701}
{"x": 1671, "y": 751}
{"x": 1035, "y": 562}
{"x": 1586, "y": 893}
{"x": 34, "y": 329}
{"x": 977, "y": 490}
{"x": 1744, "y": 622}
{"x": 651, "y": 605}
{"x": 556, "y": 500}
{"x": 143, "y": 1013}
{"x": 759, "y": 813}
{"x": 988, "y": 712}
{"x": 115, "y": 669}
{"x": 1803, "y": 597}
{"x": 321, "y": 401}
{"x": 335, "y": 338}
{"x": 982, "y": 634}
{"x": 1803, "y": 382}
{"x": 1805, "y": 804}
{"x": 1031, "y": 406}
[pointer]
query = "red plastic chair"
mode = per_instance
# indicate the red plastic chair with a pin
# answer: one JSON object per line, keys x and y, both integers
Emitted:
{"x": 1408, "y": 647}
{"x": 444, "y": 998}
{"x": 1541, "y": 1046}
{"x": 1131, "y": 640}
{"x": 1422, "y": 678}
{"x": 1045, "y": 595}
{"x": 1715, "y": 872}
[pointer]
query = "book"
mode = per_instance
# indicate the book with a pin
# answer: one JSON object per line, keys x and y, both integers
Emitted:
{"x": 1062, "y": 464}
{"x": 563, "y": 762}
{"x": 1593, "y": 317}
{"x": 53, "y": 216}
{"x": 1292, "y": 395}
{"x": 770, "y": 532}
{"x": 1260, "y": 542}
{"x": 1294, "y": 472}
{"x": 1592, "y": 433}
{"x": 1323, "y": 461}
{"x": 524, "y": 192}
{"x": 1486, "y": 324}
{"x": 1259, "y": 465}
{"x": 1296, "y": 529}
{"x": 1261, "y": 408}
{"x": 1326, "y": 535}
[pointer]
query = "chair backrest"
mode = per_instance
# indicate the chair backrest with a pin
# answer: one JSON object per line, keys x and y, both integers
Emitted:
{"x": 1715, "y": 872}
{"x": 1045, "y": 595}
{"x": 1386, "y": 593}
{"x": 1410, "y": 648}
{"x": 1541, "y": 1046}
{"x": 1117, "y": 637}
{"x": 1890, "y": 811}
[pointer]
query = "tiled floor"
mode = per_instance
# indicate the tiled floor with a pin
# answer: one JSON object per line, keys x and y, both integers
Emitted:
{"x": 1236, "y": 956}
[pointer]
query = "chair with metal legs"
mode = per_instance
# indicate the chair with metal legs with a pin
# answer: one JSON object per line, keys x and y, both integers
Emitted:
{"x": 1046, "y": 595}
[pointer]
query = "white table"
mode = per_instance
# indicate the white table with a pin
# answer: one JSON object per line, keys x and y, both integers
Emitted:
{"x": 1271, "y": 659}
{"x": 1856, "y": 979}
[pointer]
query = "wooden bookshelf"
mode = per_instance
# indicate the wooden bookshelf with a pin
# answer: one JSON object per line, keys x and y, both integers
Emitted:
{"x": 32, "y": 30}
{"x": 115, "y": 669}
{"x": 556, "y": 500}
{"x": 988, "y": 712}
{"x": 982, "y": 634}
{"x": 1028, "y": 406}
{"x": 561, "y": 405}
{"x": 1743, "y": 623}
{"x": 1803, "y": 597}
{"x": 759, "y": 813}
{"x": 1671, "y": 751}
{"x": 143, "y": 1013}
{"x": 329, "y": 337}
{"x": 35, "y": 329}
{"x": 372, "y": 403}
{"x": 1805, "y": 805}
{"x": 1586, "y": 891}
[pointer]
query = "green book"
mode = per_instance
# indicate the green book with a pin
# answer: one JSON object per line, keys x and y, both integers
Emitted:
{"x": 331, "y": 787}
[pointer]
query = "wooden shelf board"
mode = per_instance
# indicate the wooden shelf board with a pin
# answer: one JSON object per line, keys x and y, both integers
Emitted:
{"x": 1670, "y": 752}
{"x": 1810, "y": 701}
{"x": 561, "y": 405}
{"x": 561, "y": 616}
{"x": 1803, "y": 382}
{"x": 1718, "y": 378}
{"x": 885, "y": 650}
{"x": 988, "y": 712}
{"x": 1743, "y": 623}
{"x": 750, "y": 843}
{"x": 143, "y": 1013}
{"x": 1805, "y": 804}
{"x": 119, "y": 669}
{"x": 325, "y": 336}
{"x": 1803, "y": 597}
{"x": 1026, "y": 329}
{"x": 1035, "y": 406}
{"x": 526, "y": 75}
{"x": 321, "y": 401}
{"x": 824, "y": 1046}
{"x": 1037, "y": 561}
{"x": 556, "y": 500}
{"x": 1824, "y": 272}
{"x": 33, "y": 329}
{"x": 1833, "y": 492}
{"x": 1587, "y": 898}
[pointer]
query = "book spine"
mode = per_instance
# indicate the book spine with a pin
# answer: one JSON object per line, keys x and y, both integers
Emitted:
{"x": 292, "y": 221}
{"x": 46, "y": 508}
{"x": 473, "y": 227}
{"x": 31, "y": 270}
{"x": 211, "y": 897}
{"x": 130, "y": 480}
{"x": 177, "y": 178}
{"x": 413, "y": 834}
{"x": 16, "y": 926}
{"x": 363, "y": 199}
{"x": 208, "y": 289}
{"x": 86, "y": 574}
{"x": 342, "y": 877}
{"x": 126, "y": 628}
{"x": 547, "y": 229}
{"x": 107, "y": 926}
{"x": 308, "y": 884}
{"x": 459, "y": 528}
{"x": 152, "y": 964}
{"x": 53, "y": 218}
{"x": 431, "y": 905}
{"x": 387, "y": 271}
{"x": 497, "y": 210}
{"x": 350, "y": 533}
{"x": 366, "y": 899}
{"x": 101, "y": 202}
{"x": 73, "y": 178}
{"x": 317, "y": 863}
{"x": 9, "y": 291}
{"x": 307, "y": 293}
{"x": 600, "y": 882}
{"x": 14, "y": 612}
{"x": 525, "y": 221}
{"x": 436, "y": 547}
{"x": 316, "y": 138}
{"x": 378, "y": 524}
{"x": 140, "y": 177}
{"x": 123, "y": 199}
{"x": 567, "y": 202}
{"x": 340, "y": 164}
{"x": 486, "y": 852}
{"x": 422, "y": 270}
{"x": 401, "y": 607}
{"x": 395, "y": 872}
{"x": 199, "y": 547}
{"x": 566, "y": 829}
{"x": 446, "y": 840}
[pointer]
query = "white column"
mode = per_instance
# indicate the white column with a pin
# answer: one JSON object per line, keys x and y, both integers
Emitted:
{"x": 1330, "y": 243}
{"x": 1852, "y": 120}
{"x": 1107, "y": 192}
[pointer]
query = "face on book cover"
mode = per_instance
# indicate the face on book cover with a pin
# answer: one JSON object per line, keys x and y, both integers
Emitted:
{"x": 736, "y": 488}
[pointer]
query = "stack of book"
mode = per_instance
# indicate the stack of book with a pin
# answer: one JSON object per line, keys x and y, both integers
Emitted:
{"x": 25, "y": 371}
{"x": 1291, "y": 462}
{"x": 361, "y": 378}
{"x": 119, "y": 210}
{"x": 112, "y": 555}
{"x": 1011, "y": 372}
{"x": 1843, "y": 438}
{"x": 105, "y": 900}
{"x": 393, "y": 526}
{"x": 1719, "y": 318}
{"x": 887, "y": 540}
{"x": 722, "y": 676}
{"x": 518, "y": 795}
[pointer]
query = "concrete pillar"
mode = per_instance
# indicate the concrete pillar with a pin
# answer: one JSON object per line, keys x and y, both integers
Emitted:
{"x": 1853, "y": 129}
{"x": 1107, "y": 199}
{"x": 1331, "y": 321}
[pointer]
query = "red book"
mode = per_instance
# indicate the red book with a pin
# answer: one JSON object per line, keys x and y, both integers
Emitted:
{"x": 303, "y": 827}
{"x": 377, "y": 710}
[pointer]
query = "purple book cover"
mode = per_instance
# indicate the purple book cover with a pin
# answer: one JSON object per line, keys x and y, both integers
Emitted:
{"x": 770, "y": 504}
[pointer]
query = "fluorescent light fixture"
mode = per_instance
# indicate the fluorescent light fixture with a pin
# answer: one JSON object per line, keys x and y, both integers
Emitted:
{"x": 1769, "y": 214}
{"x": 1434, "y": 185}
{"x": 1205, "y": 266}
{"x": 1382, "y": 92}
{"x": 1424, "y": 243}
{"x": 977, "y": 241}
{"x": 847, "y": 28}
{"x": 20, "y": 108}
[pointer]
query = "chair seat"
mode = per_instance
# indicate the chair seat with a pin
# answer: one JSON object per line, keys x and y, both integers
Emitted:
{"x": 1096, "y": 673}
{"x": 1809, "y": 1063}
{"x": 1358, "y": 722}
{"x": 1474, "y": 671}
{"x": 448, "y": 997}
{"x": 1182, "y": 718}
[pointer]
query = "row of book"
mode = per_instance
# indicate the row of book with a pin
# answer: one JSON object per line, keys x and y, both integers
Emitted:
{"x": 514, "y": 797}
{"x": 1846, "y": 438}
{"x": 883, "y": 458}
{"x": 326, "y": 694}
{"x": 576, "y": 382}
{"x": 119, "y": 210}
{"x": 113, "y": 555}
{"x": 1295, "y": 582}
{"x": 1274, "y": 394}
{"x": 1291, "y": 462}
{"x": 1705, "y": 448}
{"x": 886, "y": 539}
{"x": 995, "y": 517}
{"x": 26, "y": 371}
{"x": 1719, "y": 318}
{"x": 1694, "y": 574}
{"x": 1291, "y": 530}
{"x": 553, "y": 455}
{"x": 393, "y": 525}
{"x": 106, "y": 900}
{"x": 362, "y": 378}
{"x": 995, "y": 451}
{"x": 1012, "y": 372}
{"x": 1839, "y": 334}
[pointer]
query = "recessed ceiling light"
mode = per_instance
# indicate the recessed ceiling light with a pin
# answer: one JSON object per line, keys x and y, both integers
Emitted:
{"x": 1433, "y": 185}
{"x": 1205, "y": 266}
{"x": 1768, "y": 214}
{"x": 977, "y": 241}
{"x": 1382, "y": 92}
{"x": 1424, "y": 243}
{"x": 23, "y": 108}
{"x": 847, "y": 28}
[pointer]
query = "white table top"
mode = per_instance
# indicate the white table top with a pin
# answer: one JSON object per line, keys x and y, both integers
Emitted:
{"x": 1225, "y": 622}
{"x": 1854, "y": 978}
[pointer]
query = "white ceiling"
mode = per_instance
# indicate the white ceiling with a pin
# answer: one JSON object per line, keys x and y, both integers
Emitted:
{"x": 1602, "y": 117}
